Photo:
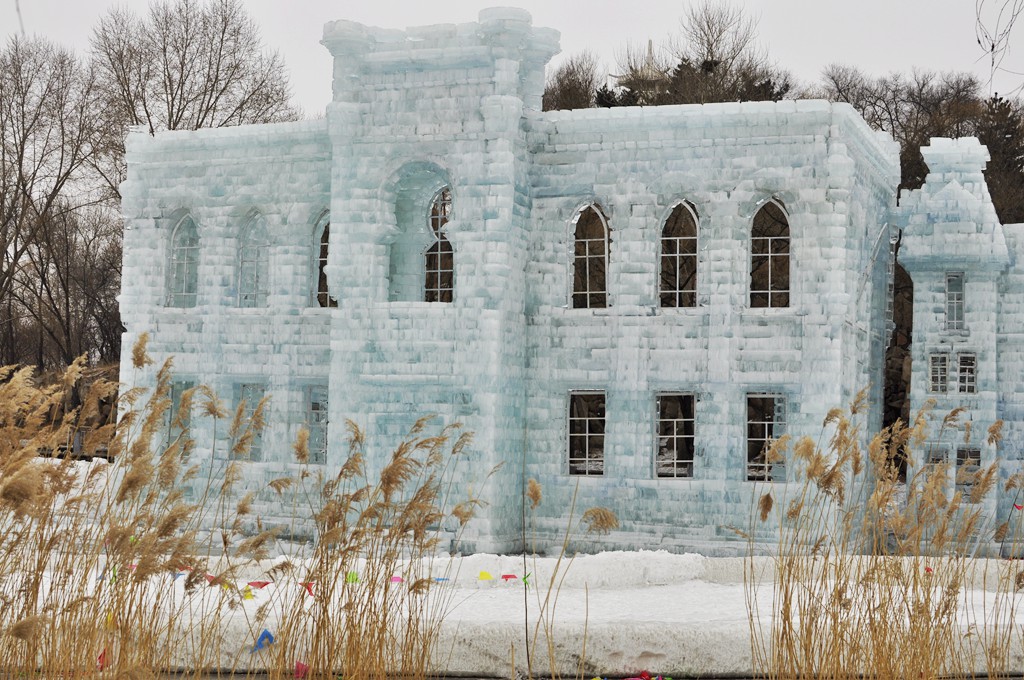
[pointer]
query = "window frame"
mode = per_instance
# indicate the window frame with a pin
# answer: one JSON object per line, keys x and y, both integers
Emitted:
{"x": 677, "y": 295}
{"x": 240, "y": 390}
{"x": 679, "y": 468}
{"x": 770, "y": 255}
{"x": 593, "y": 297}
{"x": 769, "y": 471}
{"x": 175, "y": 394}
{"x": 183, "y": 264}
{"x": 317, "y": 421}
{"x": 584, "y": 464}
{"x": 438, "y": 249}
{"x": 964, "y": 467}
{"x": 955, "y": 302}
{"x": 938, "y": 373}
{"x": 320, "y": 290}
{"x": 254, "y": 254}
{"x": 967, "y": 374}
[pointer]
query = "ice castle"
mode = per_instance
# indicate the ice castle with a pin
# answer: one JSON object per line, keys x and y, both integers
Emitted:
{"x": 629, "y": 302}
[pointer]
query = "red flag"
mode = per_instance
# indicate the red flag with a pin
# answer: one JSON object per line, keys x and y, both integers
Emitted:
{"x": 259, "y": 584}
{"x": 300, "y": 670}
{"x": 308, "y": 585}
{"x": 1018, "y": 507}
{"x": 101, "y": 660}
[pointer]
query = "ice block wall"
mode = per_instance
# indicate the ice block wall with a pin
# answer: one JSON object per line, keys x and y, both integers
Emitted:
{"x": 966, "y": 348}
{"x": 835, "y": 178}
{"x": 456, "y": 107}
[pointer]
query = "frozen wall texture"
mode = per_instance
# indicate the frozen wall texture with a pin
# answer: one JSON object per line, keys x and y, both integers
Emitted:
{"x": 547, "y": 331}
{"x": 968, "y": 347}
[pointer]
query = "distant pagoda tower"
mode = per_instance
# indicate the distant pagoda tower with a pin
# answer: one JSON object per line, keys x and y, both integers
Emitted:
{"x": 648, "y": 79}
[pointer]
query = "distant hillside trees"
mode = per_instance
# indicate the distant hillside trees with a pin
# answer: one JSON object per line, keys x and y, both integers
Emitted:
{"x": 47, "y": 128}
{"x": 185, "y": 65}
{"x": 715, "y": 58}
{"x": 915, "y": 108}
{"x": 574, "y": 84}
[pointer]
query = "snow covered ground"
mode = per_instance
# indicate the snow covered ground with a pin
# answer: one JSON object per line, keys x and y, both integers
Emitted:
{"x": 678, "y": 615}
{"x": 666, "y": 613}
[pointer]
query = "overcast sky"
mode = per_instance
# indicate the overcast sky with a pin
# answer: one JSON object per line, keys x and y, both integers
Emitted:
{"x": 801, "y": 35}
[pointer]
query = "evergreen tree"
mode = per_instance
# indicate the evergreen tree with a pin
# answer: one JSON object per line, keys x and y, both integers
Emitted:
{"x": 1001, "y": 129}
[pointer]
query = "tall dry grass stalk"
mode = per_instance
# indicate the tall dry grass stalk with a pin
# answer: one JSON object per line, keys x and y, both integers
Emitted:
{"x": 543, "y": 643}
{"x": 109, "y": 567}
{"x": 877, "y": 575}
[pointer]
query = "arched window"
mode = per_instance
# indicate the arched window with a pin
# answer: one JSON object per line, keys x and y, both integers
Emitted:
{"x": 590, "y": 261}
{"x": 321, "y": 244}
{"x": 439, "y": 267}
{"x": 679, "y": 258}
{"x": 253, "y": 264}
{"x": 769, "y": 256}
{"x": 183, "y": 264}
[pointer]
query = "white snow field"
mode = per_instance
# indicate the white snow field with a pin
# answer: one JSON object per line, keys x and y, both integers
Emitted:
{"x": 668, "y": 614}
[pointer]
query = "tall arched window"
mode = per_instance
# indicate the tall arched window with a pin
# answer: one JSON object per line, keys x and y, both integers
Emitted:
{"x": 439, "y": 284}
{"x": 253, "y": 263}
{"x": 679, "y": 258}
{"x": 183, "y": 264}
{"x": 321, "y": 244}
{"x": 590, "y": 261}
{"x": 769, "y": 256}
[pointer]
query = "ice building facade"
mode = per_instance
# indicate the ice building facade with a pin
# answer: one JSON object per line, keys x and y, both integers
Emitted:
{"x": 629, "y": 302}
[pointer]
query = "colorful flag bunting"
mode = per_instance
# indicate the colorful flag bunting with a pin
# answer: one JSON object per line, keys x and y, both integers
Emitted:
{"x": 300, "y": 670}
{"x": 308, "y": 585}
{"x": 101, "y": 660}
{"x": 351, "y": 577}
{"x": 486, "y": 576}
{"x": 259, "y": 584}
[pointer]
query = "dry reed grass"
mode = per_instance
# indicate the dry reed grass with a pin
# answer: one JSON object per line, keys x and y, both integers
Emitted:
{"x": 542, "y": 636}
{"x": 876, "y": 577}
{"x": 90, "y": 554}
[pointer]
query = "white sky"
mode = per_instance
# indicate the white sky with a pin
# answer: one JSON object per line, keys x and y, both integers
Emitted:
{"x": 804, "y": 36}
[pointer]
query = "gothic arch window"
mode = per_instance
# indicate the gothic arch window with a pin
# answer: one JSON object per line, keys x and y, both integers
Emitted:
{"x": 439, "y": 265}
{"x": 590, "y": 259}
{"x": 678, "y": 280}
{"x": 769, "y": 256}
{"x": 253, "y": 263}
{"x": 183, "y": 264}
{"x": 321, "y": 245}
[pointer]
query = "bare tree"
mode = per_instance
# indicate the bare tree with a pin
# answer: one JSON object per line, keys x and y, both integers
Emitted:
{"x": 47, "y": 125}
{"x": 69, "y": 286}
{"x": 573, "y": 84}
{"x": 994, "y": 27}
{"x": 186, "y": 65}
{"x": 913, "y": 109}
{"x": 715, "y": 58}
